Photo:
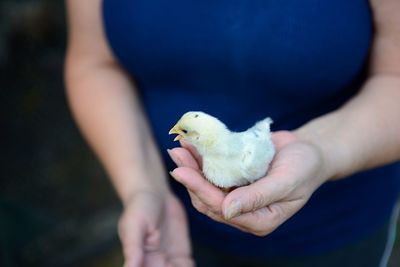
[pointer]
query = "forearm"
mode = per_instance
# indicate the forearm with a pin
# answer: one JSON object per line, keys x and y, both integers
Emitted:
{"x": 364, "y": 133}
{"x": 109, "y": 115}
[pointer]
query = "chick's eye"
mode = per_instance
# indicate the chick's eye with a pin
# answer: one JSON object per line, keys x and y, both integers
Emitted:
{"x": 196, "y": 115}
{"x": 184, "y": 131}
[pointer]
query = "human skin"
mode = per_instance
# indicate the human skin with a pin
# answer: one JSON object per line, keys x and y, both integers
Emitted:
{"x": 362, "y": 134}
{"x": 153, "y": 226}
{"x": 106, "y": 107}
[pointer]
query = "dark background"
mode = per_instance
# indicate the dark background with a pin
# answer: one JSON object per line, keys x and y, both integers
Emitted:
{"x": 57, "y": 207}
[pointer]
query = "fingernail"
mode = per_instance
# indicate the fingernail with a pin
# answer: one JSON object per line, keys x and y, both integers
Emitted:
{"x": 233, "y": 210}
{"x": 174, "y": 158}
{"x": 174, "y": 175}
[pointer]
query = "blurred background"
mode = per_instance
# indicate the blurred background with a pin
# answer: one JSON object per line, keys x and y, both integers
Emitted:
{"x": 57, "y": 207}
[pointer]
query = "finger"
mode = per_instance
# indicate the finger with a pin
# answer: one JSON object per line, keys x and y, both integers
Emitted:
{"x": 249, "y": 198}
{"x": 197, "y": 204}
{"x": 260, "y": 222}
{"x": 192, "y": 151}
{"x": 272, "y": 182}
{"x": 182, "y": 157}
{"x": 206, "y": 192}
{"x": 205, "y": 209}
{"x": 265, "y": 220}
{"x": 202, "y": 208}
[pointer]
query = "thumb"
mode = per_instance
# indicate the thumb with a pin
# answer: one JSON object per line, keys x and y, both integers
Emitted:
{"x": 251, "y": 198}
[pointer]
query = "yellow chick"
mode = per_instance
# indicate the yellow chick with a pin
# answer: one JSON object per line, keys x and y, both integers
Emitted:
{"x": 230, "y": 159}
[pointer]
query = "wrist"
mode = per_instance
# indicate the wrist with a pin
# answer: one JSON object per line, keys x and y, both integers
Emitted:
{"x": 133, "y": 183}
{"x": 129, "y": 199}
{"x": 331, "y": 165}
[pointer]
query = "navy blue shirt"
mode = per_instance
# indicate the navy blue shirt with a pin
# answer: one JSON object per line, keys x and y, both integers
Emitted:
{"x": 242, "y": 61}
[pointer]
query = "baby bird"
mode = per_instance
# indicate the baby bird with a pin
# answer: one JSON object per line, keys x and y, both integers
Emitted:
{"x": 230, "y": 159}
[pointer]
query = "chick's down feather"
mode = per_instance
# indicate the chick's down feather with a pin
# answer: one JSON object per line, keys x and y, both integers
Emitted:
{"x": 230, "y": 159}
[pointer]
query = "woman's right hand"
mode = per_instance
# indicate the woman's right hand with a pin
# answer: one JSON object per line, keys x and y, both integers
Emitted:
{"x": 154, "y": 231}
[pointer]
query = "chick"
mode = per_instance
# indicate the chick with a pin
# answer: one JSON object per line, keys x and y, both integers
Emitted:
{"x": 230, "y": 159}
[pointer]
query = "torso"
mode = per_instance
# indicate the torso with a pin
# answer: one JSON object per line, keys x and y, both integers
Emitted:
{"x": 242, "y": 61}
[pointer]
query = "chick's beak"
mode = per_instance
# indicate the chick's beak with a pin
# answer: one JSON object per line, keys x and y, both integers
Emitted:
{"x": 177, "y": 130}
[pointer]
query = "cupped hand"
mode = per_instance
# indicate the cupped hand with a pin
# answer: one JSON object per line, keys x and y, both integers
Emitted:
{"x": 153, "y": 230}
{"x": 297, "y": 170}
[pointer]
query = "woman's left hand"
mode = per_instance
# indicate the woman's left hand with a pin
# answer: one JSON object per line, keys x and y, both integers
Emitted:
{"x": 297, "y": 170}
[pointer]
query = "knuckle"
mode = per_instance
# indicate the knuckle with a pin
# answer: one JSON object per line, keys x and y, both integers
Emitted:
{"x": 215, "y": 210}
{"x": 213, "y": 216}
{"x": 277, "y": 214}
{"x": 257, "y": 200}
{"x": 200, "y": 207}
{"x": 204, "y": 209}
{"x": 262, "y": 231}
{"x": 275, "y": 217}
